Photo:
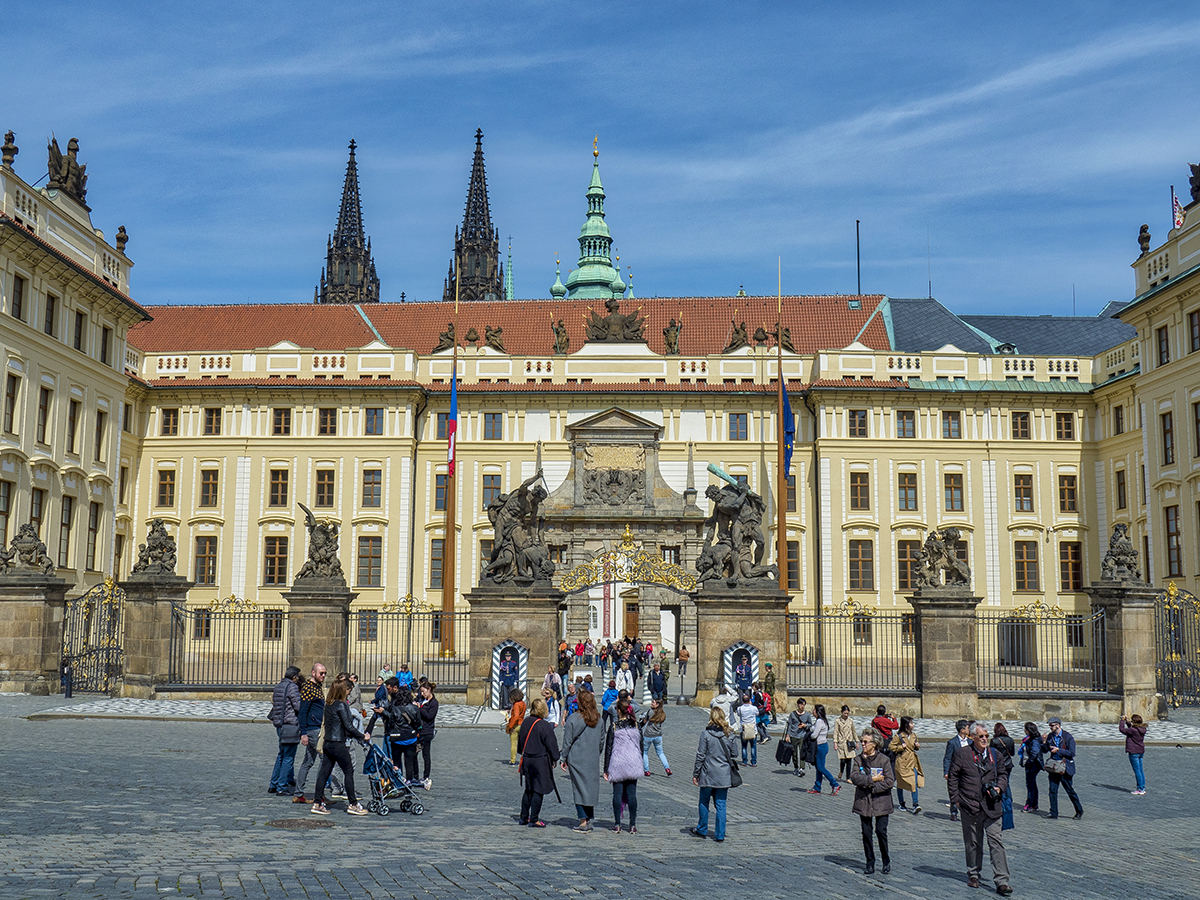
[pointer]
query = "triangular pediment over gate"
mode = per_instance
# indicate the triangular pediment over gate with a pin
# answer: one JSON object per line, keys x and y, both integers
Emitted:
{"x": 614, "y": 425}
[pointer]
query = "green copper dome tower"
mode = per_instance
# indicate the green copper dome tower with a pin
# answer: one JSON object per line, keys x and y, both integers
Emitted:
{"x": 595, "y": 278}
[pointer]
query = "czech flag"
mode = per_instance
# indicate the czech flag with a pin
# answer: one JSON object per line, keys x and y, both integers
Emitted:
{"x": 452, "y": 422}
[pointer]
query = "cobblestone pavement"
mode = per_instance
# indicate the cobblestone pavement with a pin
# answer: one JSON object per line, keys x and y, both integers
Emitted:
{"x": 451, "y": 715}
{"x": 101, "y": 808}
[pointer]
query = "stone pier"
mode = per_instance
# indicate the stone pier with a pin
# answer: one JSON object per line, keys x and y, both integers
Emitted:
{"x": 318, "y": 622}
{"x": 32, "y": 607}
{"x": 755, "y": 613}
{"x": 148, "y": 629}
{"x": 1129, "y": 634}
{"x": 947, "y": 673}
{"x": 524, "y": 614}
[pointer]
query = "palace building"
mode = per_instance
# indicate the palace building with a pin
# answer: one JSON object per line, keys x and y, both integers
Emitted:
{"x": 1032, "y": 435}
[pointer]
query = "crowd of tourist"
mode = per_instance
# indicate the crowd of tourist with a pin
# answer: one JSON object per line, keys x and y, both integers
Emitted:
{"x": 331, "y": 725}
{"x": 611, "y": 737}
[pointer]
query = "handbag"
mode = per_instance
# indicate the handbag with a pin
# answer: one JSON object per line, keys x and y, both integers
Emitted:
{"x": 1056, "y": 766}
{"x": 289, "y": 734}
{"x": 851, "y": 746}
{"x": 749, "y": 732}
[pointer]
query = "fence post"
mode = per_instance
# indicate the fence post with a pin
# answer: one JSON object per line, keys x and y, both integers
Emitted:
{"x": 318, "y": 624}
{"x": 1129, "y": 634}
{"x": 148, "y": 622}
{"x": 31, "y": 631}
{"x": 947, "y": 673}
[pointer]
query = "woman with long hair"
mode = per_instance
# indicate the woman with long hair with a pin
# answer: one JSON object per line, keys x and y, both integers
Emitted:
{"x": 539, "y": 753}
{"x": 652, "y": 736}
{"x": 581, "y": 758}
{"x": 427, "y": 706}
{"x": 904, "y": 746}
{"x": 623, "y": 762}
{"x": 339, "y": 727}
{"x": 1030, "y": 756}
{"x": 713, "y": 771}
{"x": 820, "y": 736}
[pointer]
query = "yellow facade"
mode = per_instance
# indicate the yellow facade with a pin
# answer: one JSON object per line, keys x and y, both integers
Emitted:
{"x": 1017, "y": 451}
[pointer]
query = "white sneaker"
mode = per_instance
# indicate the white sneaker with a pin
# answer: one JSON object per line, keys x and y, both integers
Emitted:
{"x": 428, "y": 782}
{"x": 356, "y": 810}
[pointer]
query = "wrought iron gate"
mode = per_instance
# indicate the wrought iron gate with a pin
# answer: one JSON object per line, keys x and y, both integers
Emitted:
{"x": 92, "y": 634}
{"x": 1177, "y": 643}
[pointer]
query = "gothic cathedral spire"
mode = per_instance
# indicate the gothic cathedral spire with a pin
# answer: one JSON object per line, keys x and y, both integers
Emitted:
{"x": 349, "y": 273}
{"x": 476, "y": 244}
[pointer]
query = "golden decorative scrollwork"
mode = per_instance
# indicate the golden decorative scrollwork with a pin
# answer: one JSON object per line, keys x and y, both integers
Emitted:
{"x": 627, "y": 562}
{"x": 407, "y": 605}
{"x": 1037, "y": 611}
{"x": 232, "y": 604}
{"x": 850, "y": 608}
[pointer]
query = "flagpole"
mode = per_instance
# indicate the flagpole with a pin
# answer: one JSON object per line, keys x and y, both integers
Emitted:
{"x": 450, "y": 545}
{"x": 781, "y": 503}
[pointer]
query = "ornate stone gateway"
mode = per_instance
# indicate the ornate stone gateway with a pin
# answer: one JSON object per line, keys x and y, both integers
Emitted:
{"x": 1177, "y": 646}
{"x": 627, "y": 562}
{"x": 92, "y": 637}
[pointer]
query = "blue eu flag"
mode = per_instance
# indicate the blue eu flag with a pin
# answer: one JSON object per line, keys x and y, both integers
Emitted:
{"x": 789, "y": 434}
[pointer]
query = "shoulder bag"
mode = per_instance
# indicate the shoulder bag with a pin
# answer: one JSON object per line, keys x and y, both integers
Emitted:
{"x": 1056, "y": 766}
{"x": 735, "y": 777}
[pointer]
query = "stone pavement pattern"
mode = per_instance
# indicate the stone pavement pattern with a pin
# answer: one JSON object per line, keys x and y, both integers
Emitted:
{"x": 102, "y": 808}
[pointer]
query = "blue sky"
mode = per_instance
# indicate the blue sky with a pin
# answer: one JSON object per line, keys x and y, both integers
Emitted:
{"x": 1008, "y": 151}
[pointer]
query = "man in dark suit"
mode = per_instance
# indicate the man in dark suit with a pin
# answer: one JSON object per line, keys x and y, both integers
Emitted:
{"x": 962, "y": 739}
{"x": 1059, "y": 744}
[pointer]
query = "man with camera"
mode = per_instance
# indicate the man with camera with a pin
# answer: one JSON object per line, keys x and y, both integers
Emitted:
{"x": 977, "y": 781}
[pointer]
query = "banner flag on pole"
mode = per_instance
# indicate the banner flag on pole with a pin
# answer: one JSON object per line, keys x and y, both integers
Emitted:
{"x": 1177, "y": 210}
{"x": 452, "y": 422}
{"x": 789, "y": 433}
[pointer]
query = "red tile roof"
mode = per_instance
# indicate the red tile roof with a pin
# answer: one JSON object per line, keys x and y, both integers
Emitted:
{"x": 859, "y": 384}
{"x": 816, "y": 323}
{"x": 207, "y": 329}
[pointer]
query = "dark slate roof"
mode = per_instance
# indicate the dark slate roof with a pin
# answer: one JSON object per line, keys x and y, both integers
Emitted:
{"x": 918, "y": 326}
{"x": 1055, "y": 335}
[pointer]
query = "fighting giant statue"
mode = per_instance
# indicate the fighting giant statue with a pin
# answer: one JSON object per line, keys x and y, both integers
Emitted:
{"x": 734, "y": 544}
{"x": 519, "y": 550}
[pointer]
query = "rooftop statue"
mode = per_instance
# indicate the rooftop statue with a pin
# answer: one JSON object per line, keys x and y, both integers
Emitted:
{"x": 323, "y": 559}
{"x": 1194, "y": 180}
{"x": 494, "y": 337}
{"x": 26, "y": 554}
{"x": 158, "y": 555}
{"x": 937, "y": 558}
{"x": 446, "y": 338}
{"x": 562, "y": 340}
{"x": 1144, "y": 240}
{"x": 734, "y": 545}
{"x": 1121, "y": 561}
{"x": 66, "y": 174}
{"x": 786, "y": 340}
{"x": 519, "y": 550}
{"x": 737, "y": 338}
{"x": 616, "y": 327}
{"x": 671, "y": 338}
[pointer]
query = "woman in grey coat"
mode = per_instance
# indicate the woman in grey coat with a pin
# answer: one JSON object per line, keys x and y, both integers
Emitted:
{"x": 872, "y": 775}
{"x": 713, "y": 771}
{"x": 581, "y": 758}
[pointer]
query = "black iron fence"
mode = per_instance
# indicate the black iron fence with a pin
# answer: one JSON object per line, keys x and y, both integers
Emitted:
{"x": 1177, "y": 646}
{"x": 1041, "y": 650}
{"x": 232, "y": 645}
{"x": 430, "y": 643}
{"x": 852, "y": 649}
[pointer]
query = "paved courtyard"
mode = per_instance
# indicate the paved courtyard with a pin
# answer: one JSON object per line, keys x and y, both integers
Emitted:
{"x": 177, "y": 807}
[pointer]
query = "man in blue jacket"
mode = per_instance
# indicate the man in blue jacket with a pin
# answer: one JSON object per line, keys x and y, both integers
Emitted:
{"x": 657, "y": 683}
{"x": 1059, "y": 744}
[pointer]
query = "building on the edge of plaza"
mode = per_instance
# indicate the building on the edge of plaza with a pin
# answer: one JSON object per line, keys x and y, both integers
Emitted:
{"x": 69, "y": 438}
{"x": 1025, "y": 432}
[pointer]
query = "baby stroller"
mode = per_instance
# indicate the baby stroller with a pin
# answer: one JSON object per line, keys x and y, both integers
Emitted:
{"x": 387, "y": 783}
